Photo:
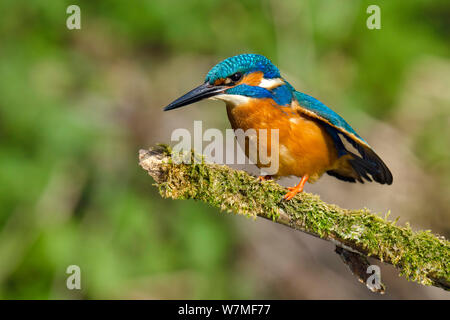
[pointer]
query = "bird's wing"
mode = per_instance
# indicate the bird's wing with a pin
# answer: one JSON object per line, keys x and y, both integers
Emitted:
{"x": 336, "y": 126}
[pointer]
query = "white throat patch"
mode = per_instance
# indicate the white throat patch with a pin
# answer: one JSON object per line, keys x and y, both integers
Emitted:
{"x": 233, "y": 99}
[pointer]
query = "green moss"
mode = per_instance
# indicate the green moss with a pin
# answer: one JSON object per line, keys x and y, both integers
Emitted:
{"x": 420, "y": 256}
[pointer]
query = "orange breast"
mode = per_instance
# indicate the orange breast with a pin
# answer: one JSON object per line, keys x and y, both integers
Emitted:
{"x": 304, "y": 145}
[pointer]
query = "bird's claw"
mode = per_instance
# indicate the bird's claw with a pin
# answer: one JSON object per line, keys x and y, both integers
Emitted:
{"x": 292, "y": 192}
{"x": 297, "y": 189}
{"x": 264, "y": 178}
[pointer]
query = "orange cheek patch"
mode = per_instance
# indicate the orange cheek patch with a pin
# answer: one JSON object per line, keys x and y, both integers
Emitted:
{"x": 219, "y": 82}
{"x": 252, "y": 79}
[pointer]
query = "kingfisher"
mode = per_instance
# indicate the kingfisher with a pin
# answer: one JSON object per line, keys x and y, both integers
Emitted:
{"x": 310, "y": 134}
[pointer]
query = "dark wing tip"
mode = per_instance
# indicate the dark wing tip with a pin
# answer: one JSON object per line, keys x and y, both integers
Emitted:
{"x": 380, "y": 172}
{"x": 342, "y": 177}
{"x": 371, "y": 163}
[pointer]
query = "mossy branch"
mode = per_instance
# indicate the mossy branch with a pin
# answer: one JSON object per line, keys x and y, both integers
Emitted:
{"x": 420, "y": 256}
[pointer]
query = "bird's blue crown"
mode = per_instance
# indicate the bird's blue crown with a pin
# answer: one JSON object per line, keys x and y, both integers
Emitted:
{"x": 245, "y": 63}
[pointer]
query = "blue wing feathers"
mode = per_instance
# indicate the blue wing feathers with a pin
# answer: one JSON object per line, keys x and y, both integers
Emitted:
{"x": 314, "y": 105}
{"x": 336, "y": 126}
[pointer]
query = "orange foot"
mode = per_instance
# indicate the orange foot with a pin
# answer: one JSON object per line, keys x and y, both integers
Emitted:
{"x": 264, "y": 178}
{"x": 297, "y": 189}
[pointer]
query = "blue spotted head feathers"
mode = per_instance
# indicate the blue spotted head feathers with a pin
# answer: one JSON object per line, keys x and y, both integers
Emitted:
{"x": 232, "y": 80}
{"x": 244, "y": 63}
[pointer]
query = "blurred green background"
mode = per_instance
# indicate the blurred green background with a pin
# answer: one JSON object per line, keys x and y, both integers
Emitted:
{"x": 77, "y": 105}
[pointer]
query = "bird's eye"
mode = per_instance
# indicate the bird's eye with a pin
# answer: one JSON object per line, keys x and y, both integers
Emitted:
{"x": 236, "y": 76}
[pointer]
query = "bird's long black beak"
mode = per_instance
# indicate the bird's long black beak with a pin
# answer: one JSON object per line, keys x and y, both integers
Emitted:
{"x": 204, "y": 91}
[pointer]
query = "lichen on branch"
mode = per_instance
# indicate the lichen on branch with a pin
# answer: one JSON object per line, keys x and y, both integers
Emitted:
{"x": 420, "y": 256}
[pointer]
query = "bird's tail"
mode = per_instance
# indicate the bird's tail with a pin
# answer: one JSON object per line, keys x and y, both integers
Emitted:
{"x": 351, "y": 167}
